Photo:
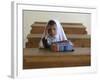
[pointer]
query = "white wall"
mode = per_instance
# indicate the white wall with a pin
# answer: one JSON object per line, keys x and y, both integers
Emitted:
{"x": 31, "y": 16}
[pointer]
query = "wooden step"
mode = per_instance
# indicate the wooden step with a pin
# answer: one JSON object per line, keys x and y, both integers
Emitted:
{"x": 69, "y": 28}
{"x": 77, "y": 40}
{"x": 42, "y": 58}
{"x": 62, "y": 23}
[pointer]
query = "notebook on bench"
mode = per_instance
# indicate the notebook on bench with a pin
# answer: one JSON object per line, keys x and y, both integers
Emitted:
{"x": 62, "y": 46}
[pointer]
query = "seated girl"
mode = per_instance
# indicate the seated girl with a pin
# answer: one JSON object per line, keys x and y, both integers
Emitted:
{"x": 53, "y": 33}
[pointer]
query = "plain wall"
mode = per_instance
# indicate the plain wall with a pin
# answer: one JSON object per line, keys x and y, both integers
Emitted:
{"x": 29, "y": 17}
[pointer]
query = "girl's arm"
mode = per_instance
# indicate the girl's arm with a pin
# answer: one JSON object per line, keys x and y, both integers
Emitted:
{"x": 45, "y": 43}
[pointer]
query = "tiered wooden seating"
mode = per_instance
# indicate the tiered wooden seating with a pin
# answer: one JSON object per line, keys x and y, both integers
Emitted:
{"x": 42, "y": 58}
{"x": 76, "y": 32}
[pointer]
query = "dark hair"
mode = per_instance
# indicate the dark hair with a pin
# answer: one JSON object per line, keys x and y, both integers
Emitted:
{"x": 51, "y": 22}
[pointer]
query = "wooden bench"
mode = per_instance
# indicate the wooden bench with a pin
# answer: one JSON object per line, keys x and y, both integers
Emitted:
{"x": 69, "y": 28}
{"x": 77, "y": 40}
{"x": 42, "y": 58}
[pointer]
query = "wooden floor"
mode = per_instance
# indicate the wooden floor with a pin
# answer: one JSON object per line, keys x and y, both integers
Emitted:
{"x": 42, "y": 58}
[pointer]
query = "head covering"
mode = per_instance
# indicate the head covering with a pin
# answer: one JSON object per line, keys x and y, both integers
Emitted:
{"x": 60, "y": 36}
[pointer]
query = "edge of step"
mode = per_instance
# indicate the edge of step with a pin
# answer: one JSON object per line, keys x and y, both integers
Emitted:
{"x": 78, "y": 51}
{"x": 60, "y": 22}
{"x": 69, "y": 36}
{"x": 69, "y": 25}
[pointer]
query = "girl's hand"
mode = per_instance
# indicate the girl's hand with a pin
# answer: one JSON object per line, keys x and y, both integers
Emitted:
{"x": 45, "y": 32}
{"x": 54, "y": 47}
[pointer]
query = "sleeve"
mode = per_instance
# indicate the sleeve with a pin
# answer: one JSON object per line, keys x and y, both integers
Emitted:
{"x": 45, "y": 43}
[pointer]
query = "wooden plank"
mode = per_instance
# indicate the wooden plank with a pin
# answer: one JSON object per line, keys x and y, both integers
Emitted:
{"x": 77, "y": 40}
{"x": 47, "y": 52}
{"x": 36, "y": 58}
{"x": 63, "y": 23}
{"x": 67, "y": 30}
{"x": 69, "y": 25}
{"x": 74, "y": 36}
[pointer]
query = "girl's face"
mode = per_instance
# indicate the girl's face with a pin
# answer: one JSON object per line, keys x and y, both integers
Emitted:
{"x": 52, "y": 30}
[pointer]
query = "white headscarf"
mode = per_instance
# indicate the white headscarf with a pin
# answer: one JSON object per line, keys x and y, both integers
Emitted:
{"x": 60, "y": 36}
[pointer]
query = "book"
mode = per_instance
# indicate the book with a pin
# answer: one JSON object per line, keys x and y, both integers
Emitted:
{"x": 62, "y": 46}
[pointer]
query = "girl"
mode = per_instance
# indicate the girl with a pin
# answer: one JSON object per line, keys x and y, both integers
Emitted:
{"x": 53, "y": 33}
